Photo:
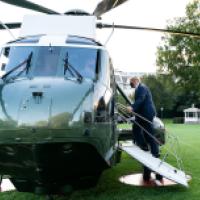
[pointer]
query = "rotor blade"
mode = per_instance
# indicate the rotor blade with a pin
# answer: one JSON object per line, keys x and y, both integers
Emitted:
{"x": 10, "y": 25}
{"x": 175, "y": 32}
{"x": 106, "y": 5}
{"x": 30, "y": 5}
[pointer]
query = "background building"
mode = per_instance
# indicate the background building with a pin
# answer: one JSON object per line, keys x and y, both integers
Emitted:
{"x": 192, "y": 115}
{"x": 122, "y": 78}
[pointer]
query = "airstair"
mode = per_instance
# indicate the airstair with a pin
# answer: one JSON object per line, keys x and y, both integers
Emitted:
{"x": 157, "y": 165}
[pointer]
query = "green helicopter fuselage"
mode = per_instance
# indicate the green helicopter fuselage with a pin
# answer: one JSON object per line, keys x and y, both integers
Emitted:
{"x": 56, "y": 112}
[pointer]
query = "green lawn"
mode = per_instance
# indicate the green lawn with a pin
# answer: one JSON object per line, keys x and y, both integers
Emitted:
{"x": 109, "y": 188}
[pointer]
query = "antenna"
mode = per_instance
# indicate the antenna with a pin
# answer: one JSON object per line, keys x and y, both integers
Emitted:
{"x": 6, "y": 27}
{"x": 113, "y": 28}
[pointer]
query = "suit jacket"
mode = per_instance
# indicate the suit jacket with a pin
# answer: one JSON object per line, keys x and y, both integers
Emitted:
{"x": 143, "y": 104}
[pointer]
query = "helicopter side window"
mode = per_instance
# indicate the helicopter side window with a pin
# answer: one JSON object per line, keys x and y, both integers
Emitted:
{"x": 47, "y": 61}
{"x": 11, "y": 57}
{"x": 84, "y": 60}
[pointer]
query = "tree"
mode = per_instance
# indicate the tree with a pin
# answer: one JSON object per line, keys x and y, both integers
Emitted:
{"x": 180, "y": 56}
{"x": 163, "y": 92}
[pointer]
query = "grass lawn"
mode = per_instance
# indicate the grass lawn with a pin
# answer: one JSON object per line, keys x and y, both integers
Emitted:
{"x": 109, "y": 188}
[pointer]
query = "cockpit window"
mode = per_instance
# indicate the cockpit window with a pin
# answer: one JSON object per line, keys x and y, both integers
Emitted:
{"x": 13, "y": 56}
{"x": 83, "y": 60}
{"x": 49, "y": 60}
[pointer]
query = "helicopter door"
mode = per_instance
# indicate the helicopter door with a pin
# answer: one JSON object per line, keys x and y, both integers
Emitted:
{"x": 35, "y": 110}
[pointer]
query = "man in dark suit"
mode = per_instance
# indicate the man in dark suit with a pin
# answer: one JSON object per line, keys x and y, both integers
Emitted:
{"x": 144, "y": 107}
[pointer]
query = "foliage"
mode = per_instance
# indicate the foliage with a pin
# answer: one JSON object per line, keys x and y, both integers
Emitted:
{"x": 178, "y": 120}
{"x": 121, "y": 100}
{"x": 180, "y": 56}
{"x": 163, "y": 92}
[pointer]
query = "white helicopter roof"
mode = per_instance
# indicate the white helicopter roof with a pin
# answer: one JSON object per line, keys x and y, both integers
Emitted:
{"x": 84, "y": 26}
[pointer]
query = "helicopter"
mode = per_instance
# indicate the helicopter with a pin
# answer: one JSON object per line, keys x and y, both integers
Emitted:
{"x": 58, "y": 98}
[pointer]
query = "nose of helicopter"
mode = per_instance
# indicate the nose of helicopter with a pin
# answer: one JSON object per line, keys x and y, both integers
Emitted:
{"x": 50, "y": 102}
{"x": 58, "y": 104}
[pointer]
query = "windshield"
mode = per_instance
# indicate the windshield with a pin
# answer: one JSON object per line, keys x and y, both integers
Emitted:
{"x": 83, "y": 60}
{"x": 12, "y": 57}
{"x": 49, "y": 61}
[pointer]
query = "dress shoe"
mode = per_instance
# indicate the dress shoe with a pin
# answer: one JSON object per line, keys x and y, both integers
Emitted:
{"x": 159, "y": 182}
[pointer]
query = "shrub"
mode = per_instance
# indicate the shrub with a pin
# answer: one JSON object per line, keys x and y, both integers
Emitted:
{"x": 178, "y": 120}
